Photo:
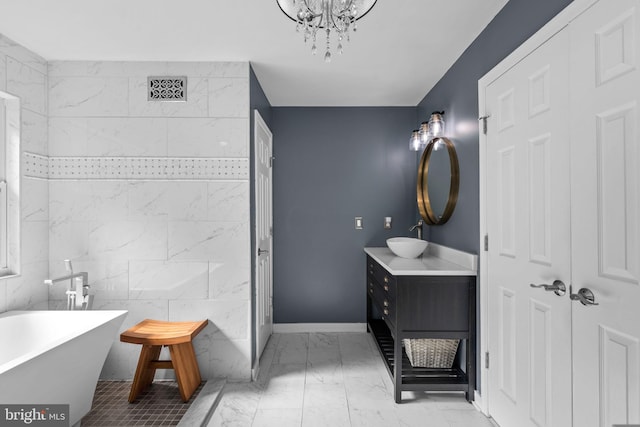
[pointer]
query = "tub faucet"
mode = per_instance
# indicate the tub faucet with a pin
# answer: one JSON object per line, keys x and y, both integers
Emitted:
{"x": 87, "y": 300}
{"x": 418, "y": 228}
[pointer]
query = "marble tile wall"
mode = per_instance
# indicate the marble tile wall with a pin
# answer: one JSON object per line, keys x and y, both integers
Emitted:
{"x": 162, "y": 249}
{"x": 24, "y": 74}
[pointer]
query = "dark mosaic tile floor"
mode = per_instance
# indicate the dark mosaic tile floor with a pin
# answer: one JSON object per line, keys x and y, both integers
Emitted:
{"x": 159, "y": 405}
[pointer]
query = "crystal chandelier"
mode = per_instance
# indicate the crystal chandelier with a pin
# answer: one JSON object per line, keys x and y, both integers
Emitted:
{"x": 338, "y": 16}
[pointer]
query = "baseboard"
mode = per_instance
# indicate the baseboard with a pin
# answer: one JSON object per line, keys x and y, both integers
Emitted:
{"x": 288, "y": 328}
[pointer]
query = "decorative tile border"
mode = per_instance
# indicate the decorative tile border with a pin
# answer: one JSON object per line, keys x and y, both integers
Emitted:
{"x": 35, "y": 165}
{"x": 135, "y": 168}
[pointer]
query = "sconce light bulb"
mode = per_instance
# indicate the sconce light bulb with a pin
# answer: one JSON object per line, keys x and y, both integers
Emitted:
{"x": 415, "y": 141}
{"x": 425, "y": 135}
{"x": 436, "y": 124}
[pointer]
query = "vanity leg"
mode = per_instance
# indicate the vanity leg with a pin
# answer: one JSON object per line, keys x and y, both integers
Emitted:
{"x": 471, "y": 368}
{"x": 397, "y": 368}
{"x": 471, "y": 343}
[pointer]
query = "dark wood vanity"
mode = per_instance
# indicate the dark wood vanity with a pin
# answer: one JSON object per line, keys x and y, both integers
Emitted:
{"x": 428, "y": 297}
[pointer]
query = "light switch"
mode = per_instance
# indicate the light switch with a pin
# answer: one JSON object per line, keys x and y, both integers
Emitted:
{"x": 359, "y": 223}
{"x": 387, "y": 223}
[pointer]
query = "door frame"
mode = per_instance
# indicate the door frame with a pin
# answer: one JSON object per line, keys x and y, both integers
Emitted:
{"x": 258, "y": 121}
{"x": 556, "y": 24}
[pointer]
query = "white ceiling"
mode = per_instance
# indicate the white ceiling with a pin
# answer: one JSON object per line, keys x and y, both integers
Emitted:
{"x": 401, "y": 49}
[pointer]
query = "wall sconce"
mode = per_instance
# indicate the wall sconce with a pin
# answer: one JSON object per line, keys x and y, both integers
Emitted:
{"x": 434, "y": 128}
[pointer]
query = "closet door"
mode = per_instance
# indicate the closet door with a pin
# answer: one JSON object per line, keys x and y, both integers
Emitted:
{"x": 528, "y": 225}
{"x": 605, "y": 197}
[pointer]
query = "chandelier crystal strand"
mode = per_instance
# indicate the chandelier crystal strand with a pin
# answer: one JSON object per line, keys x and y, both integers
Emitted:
{"x": 337, "y": 16}
{"x": 327, "y": 56}
{"x": 314, "y": 48}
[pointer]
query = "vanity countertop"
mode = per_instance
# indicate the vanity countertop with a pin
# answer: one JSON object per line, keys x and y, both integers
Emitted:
{"x": 436, "y": 260}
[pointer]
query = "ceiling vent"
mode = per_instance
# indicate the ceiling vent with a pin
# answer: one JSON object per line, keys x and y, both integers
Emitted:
{"x": 167, "y": 88}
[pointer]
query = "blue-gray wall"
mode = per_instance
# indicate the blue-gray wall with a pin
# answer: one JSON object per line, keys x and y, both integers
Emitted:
{"x": 333, "y": 164}
{"x": 257, "y": 101}
{"x": 457, "y": 94}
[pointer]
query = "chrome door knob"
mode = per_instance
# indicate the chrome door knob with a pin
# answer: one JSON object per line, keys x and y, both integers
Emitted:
{"x": 585, "y": 296}
{"x": 557, "y": 287}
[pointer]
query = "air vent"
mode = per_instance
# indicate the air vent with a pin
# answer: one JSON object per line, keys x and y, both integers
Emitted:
{"x": 167, "y": 88}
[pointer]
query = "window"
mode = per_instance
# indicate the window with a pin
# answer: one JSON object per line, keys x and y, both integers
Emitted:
{"x": 9, "y": 184}
{"x": 4, "y": 267}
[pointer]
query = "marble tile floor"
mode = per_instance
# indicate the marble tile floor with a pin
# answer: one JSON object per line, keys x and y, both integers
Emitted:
{"x": 333, "y": 379}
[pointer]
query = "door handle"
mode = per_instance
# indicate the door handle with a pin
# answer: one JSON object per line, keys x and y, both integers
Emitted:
{"x": 262, "y": 251}
{"x": 558, "y": 287}
{"x": 585, "y": 296}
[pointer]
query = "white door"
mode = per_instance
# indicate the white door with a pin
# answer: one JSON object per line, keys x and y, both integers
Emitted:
{"x": 264, "y": 239}
{"x": 605, "y": 197}
{"x": 528, "y": 227}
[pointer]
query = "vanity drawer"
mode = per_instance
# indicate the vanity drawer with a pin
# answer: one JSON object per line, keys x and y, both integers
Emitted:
{"x": 385, "y": 304}
{"x": 382, "y": 276}
{"x": 383, "y": 291}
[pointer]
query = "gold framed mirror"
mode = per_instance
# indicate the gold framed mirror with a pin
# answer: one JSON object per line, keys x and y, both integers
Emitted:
{"x": 438, "y": 181}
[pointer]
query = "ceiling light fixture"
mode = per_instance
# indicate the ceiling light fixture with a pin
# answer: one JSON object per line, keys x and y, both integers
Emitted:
{"x": 338, "y": 16}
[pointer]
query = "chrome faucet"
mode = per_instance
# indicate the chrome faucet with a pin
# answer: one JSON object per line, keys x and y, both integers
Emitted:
{"x": 418, "y": 228}
{"x": 87, "y": 300}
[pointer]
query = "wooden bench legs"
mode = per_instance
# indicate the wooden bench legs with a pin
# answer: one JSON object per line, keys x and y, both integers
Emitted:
{"x": 186, "y": 367}
{"x": 144, "y": 372}
{"x": 178, "y": 336}
{"x": 183, "y": 362}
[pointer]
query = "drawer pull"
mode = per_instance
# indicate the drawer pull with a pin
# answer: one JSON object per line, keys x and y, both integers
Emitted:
{"x": 386, "y": 312}
{"x": 371, "y": 291}
{"x": 386, "y": 279}
{"x": 386, "y": 303}
{"x": 386, "y": 288}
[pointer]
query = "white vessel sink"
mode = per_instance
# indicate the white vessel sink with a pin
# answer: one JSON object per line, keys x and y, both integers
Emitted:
{"x": 407, "y": 247}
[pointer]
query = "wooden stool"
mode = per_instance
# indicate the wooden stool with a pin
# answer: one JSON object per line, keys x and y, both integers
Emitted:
{"x": 153, "y": 334}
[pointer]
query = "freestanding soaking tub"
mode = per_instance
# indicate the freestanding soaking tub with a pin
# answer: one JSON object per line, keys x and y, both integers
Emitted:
{"x": 55, "y": 357}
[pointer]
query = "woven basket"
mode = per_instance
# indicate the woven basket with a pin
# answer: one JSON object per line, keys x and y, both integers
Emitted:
{"x": 431, "y": 353}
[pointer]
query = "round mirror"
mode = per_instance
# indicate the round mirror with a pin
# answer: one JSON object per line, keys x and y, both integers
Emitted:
{"x": 438, "y": 181}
